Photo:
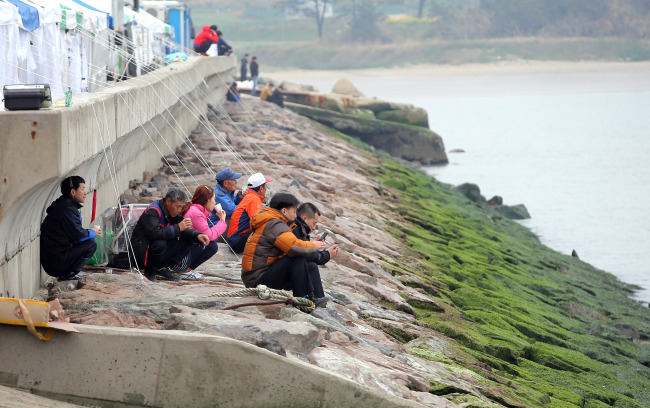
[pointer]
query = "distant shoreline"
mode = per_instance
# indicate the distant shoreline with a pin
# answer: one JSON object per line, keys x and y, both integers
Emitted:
{"x": 505, "y": 67}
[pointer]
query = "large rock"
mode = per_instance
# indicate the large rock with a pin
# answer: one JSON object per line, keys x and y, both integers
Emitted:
{"x": 297, "y": 337}
{"x": 345, "y": 87}
{"x": 514, "y": 212}
{"x": 472, "y": 192}
{"x": 333, "y": 103}
{"x": 375, "y": 105}
{"x": 295, "y": 87}
{"x": 415, "y": 116}
{"x": 404, "y": 141}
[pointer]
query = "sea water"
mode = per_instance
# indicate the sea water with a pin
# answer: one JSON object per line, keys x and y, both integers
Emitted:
{"x": 574, "y": 147}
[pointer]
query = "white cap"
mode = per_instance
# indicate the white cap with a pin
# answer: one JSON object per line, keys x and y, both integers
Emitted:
{"x": 257, "y": 180}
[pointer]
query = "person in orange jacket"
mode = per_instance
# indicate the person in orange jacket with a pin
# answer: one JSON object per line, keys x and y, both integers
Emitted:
{"x": 274, "y": 257}
{"x": 239, "y": 228}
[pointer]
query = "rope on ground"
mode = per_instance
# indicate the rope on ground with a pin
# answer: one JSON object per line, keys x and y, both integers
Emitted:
{"x": 276, "y": 296}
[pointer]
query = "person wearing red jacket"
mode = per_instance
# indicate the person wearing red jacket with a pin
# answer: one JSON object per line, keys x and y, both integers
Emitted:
{"x": 206, "y": 38}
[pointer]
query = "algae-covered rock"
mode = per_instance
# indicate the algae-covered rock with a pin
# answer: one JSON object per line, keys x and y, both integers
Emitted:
{"x": 362, "y": 113}
{"x": 345, "y": 87}
{"x": 496, "y": 200}
{"x": 471, "y": 191}
{"x": 514, "y": 212}
{"x": 415, "y": 116}
{"x": 404, "y": 141}
{"x": 375, "y": 105}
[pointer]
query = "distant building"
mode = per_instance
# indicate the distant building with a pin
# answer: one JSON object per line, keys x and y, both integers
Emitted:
{"x": 306, "y": 9}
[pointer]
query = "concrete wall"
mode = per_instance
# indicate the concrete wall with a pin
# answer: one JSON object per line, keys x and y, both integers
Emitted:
{"x": 131, "y": 120}
{"x": 118, "y": 367}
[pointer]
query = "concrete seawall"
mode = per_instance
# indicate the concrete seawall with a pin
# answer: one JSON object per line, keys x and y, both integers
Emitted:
{"x": 133, "y": 120}
{"x": 118, "y": 367}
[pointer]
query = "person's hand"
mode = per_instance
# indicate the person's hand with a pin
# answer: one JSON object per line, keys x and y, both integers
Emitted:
{"x": 185, "y": 224}
{"x": 97, "y": 230}
{"x": 320, "y": 244}
{"x": 240, "y": 194}
{"x": 333, "y": 250}
{"x": 204, "y": 239}
{"x": 222, "y": 215}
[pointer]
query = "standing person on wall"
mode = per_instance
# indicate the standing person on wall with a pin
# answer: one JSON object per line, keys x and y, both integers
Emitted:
{"x": 65, "y": 245}
{"x": 255, "y": 72}
{"x": 244, "y": 68}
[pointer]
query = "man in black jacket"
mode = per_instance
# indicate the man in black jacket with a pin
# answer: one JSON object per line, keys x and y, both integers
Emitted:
{"x": 162, "y": 239}
{"x": 244, "y": 68}
{"x": 65, "y": 246}
{"x": 255, "y": 72}
{"x": 307, "y": 217}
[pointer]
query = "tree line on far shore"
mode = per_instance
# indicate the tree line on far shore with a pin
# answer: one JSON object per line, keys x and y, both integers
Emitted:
{"x": 473, "y": 19}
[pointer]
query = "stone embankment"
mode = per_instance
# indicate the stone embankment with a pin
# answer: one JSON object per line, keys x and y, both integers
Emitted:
{"x": 355, "y": 336}
{"x": 434, "y": 298}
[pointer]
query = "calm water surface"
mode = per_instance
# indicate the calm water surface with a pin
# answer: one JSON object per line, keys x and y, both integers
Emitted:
{"x": 574, "y": 147}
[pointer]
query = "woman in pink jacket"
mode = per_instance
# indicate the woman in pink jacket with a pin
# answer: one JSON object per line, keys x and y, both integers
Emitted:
{"x": 198, "y": 211}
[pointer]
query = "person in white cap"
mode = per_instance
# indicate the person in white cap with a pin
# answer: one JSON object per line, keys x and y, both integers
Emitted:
{"x": 240, "y": 223}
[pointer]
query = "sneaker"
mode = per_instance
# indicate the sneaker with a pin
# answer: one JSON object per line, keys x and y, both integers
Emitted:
{"x": 190, "y": 275}
{"x": 167, "y": 274}
{"x": 320, "y": 302}
{"x": 71, "y": 277}
{"x": 150, "y": 275}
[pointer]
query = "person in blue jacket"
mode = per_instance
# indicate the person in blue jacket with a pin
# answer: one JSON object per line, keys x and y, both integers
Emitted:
{"x": 224, "y": 47}
{"x": 65, "y": 245}
{"x": 224, "y": 193}
{"x": 233, "y": 93}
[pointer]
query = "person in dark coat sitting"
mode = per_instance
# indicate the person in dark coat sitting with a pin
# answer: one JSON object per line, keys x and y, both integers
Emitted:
{"x": 233, "y": 93}
{"x": 65, "y": 245}
{"x": 277, "y": 97}
{"x": 162, "y": 238}
{"x": 307, "y": 217}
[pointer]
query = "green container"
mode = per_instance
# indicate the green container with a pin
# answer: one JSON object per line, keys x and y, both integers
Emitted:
{"x": 104, "y": 242}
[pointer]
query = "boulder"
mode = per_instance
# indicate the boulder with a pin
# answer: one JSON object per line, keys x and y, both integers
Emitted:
{"x": 295, "y": 87}
{"x": 375, "y": 105}
{"x": 159, "y": 182}
{"x": 514, "y": 212}
{"x": 414, "y": 116}
{"x": 496, "y": 200}
{"x": 472, "y": 192}
{"x": 403, "y": 141}
{"x": 333, "y": 103}
{"x": 345, "y": 87}
{"x": 362, "y": 113}
{"x": 297, "y": 337}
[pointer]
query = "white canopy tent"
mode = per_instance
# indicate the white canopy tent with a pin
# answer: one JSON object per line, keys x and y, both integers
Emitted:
{"x": 70, "y": 41}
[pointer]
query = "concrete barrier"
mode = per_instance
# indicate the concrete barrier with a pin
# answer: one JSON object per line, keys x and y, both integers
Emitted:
{"x": 132, "y": 120}
{"x": 117, "y": 367}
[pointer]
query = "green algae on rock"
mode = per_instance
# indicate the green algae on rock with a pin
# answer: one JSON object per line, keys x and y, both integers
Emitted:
{"x": 541, "y": 329}
{"x": 401, "y": 140}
